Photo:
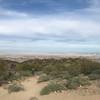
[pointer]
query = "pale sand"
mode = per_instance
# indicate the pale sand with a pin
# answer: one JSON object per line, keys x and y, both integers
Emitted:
{"x": 25, "y": 57}
{"x": 33, "y": 89}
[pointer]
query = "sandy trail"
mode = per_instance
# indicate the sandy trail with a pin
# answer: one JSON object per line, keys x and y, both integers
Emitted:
{"x": 32, "y": 89}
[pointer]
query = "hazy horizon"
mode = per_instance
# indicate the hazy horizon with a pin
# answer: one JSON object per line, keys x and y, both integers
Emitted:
{"x": 49, "y": 26}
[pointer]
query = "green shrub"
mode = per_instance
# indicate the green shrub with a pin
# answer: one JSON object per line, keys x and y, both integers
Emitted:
{"x": 44, "y": 78}
{"x": 88, "y": 66}
{"x": 15, "y": 87}
{"x": 53, "y": 68}
{"x": 65, "y": 75}
{"x": 52, "y": 87}
{"x": 94, "y": 76}
{"x": 26, "y": 73}
{"x": 77, "y": 81}
{"x": 96, "y": 72}
{"x": 72, "y": 83}
{"x": 4, "y": 77}
{"x": 74, "y": 69}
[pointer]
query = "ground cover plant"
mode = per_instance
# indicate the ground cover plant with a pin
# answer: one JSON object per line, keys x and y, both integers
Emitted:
{"x": 75, "y": 71}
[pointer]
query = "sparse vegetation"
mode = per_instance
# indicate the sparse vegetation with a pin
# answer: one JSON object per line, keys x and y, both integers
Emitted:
{"x": 52, "y": 87}
{"x": 95, "y": 75}
{"x": 15, "y": 87}
{"x": 44, "y": 78}
{"x": 75, "y": 72}
{"x": 77, "y": 81}
{"x": 26, "y": 73}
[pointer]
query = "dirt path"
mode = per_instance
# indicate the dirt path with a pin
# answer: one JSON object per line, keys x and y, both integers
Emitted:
{"x": 33, "y": 89}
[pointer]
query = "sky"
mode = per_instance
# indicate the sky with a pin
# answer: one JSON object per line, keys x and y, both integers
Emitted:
{"x": 49, "y": 26}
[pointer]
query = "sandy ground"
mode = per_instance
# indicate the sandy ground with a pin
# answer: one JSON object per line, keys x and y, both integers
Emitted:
{"x": 24, "y": 57}
{"x": 32, "y": 89}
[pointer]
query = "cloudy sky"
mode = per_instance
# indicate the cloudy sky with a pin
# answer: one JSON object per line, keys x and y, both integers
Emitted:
{"x": 49, "y": 26}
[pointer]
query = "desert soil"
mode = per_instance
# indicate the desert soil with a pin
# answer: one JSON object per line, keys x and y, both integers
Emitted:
{"x": 32, "y": 89}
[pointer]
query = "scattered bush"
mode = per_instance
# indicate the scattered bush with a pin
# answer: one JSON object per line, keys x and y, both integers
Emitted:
{"x": 65, "y": 75}
{"x": 77, "y": 81}
{"x": 26, "y": 73}
{"x": 52, "y": 69}
{"x": 74, "y": 69}
{"x": 94, "y": 76}
{"x": 52, "y": 87}
{"x": 44, "y": 78}
{"x": 15, "y": 87}
{"x": 88, "y": 66}
{"x": 73, "y": 83}
{"x": 96, "y": 72}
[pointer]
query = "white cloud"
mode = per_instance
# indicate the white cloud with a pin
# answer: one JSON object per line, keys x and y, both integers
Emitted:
{"x": 49, "y": 26}
{"x": 84, "y": 23}
{"x": 60, "y": 24}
